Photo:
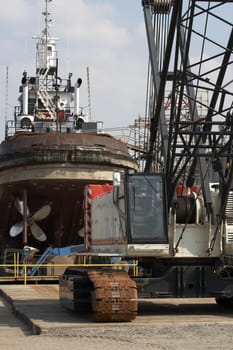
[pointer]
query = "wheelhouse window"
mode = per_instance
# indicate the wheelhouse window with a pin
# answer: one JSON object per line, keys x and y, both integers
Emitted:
{"x": 49, "y": 49}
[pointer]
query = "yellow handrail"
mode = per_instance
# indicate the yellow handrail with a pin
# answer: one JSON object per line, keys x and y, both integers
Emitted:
{"x": 20, "y": 270}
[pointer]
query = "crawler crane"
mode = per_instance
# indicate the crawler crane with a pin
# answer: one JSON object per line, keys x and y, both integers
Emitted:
{"x": 174, "y": 219}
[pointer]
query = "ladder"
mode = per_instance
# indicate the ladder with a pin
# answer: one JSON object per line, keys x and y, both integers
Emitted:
{"x": 45, "y": 97}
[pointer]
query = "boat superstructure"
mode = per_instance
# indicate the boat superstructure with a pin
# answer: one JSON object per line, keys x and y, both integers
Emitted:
{"x": 47, "y": 101}
{"x": 51, "y": 151}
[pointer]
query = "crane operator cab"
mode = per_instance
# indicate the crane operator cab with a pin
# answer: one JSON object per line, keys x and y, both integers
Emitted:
{"x": 142, "y": 197}
{"x": 146, "y": 209}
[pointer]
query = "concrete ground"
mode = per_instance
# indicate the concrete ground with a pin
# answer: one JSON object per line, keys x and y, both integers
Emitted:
{"x": 162, "y": 324}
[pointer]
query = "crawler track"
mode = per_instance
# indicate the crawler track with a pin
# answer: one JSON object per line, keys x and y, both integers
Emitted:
{"x": 114, "y": 297}
{"x": 111, "y": 295}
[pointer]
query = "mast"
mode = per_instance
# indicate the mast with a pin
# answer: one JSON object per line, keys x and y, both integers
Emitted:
{"x": 47, "y": 21}
{"x": 46, "y": 47}
{"x": 47, "y": 65}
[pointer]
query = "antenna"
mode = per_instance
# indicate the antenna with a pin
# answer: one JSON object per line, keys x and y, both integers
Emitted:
{"x": 47, "y": 21}
{"x": 89, "y": 95}
{"x": 6, "y": 98}
{"x": 46, "y": 13}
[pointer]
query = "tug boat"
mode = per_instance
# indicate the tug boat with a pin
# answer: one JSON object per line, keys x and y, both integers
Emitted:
{"x": 50, "y": 153}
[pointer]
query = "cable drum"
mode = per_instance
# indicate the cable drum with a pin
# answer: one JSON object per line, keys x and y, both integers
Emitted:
{"x": 162, "y": 6}
{"x": 186, "y": 210}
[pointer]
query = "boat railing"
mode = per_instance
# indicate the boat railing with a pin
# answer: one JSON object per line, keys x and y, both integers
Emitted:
{"x": 13, "y": 127}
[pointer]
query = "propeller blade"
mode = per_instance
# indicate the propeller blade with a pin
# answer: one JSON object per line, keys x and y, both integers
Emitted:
{"x": 16, "y": 229}
{"x": 42, "y": 213}
{"x": 37, "y": 232}
{"x": 19, "y": 206}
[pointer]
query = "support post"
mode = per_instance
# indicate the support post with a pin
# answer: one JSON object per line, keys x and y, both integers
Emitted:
{"x": 25, "y": 233}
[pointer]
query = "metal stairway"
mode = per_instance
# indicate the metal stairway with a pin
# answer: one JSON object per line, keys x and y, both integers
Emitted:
{"x": 40, "y": 261}
{"x": 45, "y": 97}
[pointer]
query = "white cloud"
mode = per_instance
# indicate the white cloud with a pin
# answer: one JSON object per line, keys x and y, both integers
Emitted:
{"x": 90, "y": 24}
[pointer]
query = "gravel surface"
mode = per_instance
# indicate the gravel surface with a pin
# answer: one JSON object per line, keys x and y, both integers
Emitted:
{"x": 160, "y": 338}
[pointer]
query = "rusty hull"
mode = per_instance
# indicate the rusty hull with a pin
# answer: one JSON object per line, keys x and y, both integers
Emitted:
{"x": 53, "y": 168}
{"x": 69, "y": 147}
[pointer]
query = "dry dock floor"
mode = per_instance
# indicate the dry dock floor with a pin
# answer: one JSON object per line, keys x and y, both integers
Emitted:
{"x": 31, "y": 318}
{"x": 38, "y": 306}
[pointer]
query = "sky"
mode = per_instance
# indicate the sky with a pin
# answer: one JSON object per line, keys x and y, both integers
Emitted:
{"x": 108, "y": 36}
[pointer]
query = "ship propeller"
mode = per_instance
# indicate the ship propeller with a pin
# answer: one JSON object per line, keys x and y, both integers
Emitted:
{"x": 39, "y": 215}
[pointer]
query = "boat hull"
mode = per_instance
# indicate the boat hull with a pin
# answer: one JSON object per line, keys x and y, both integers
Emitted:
{"x": 53, "y": 169}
